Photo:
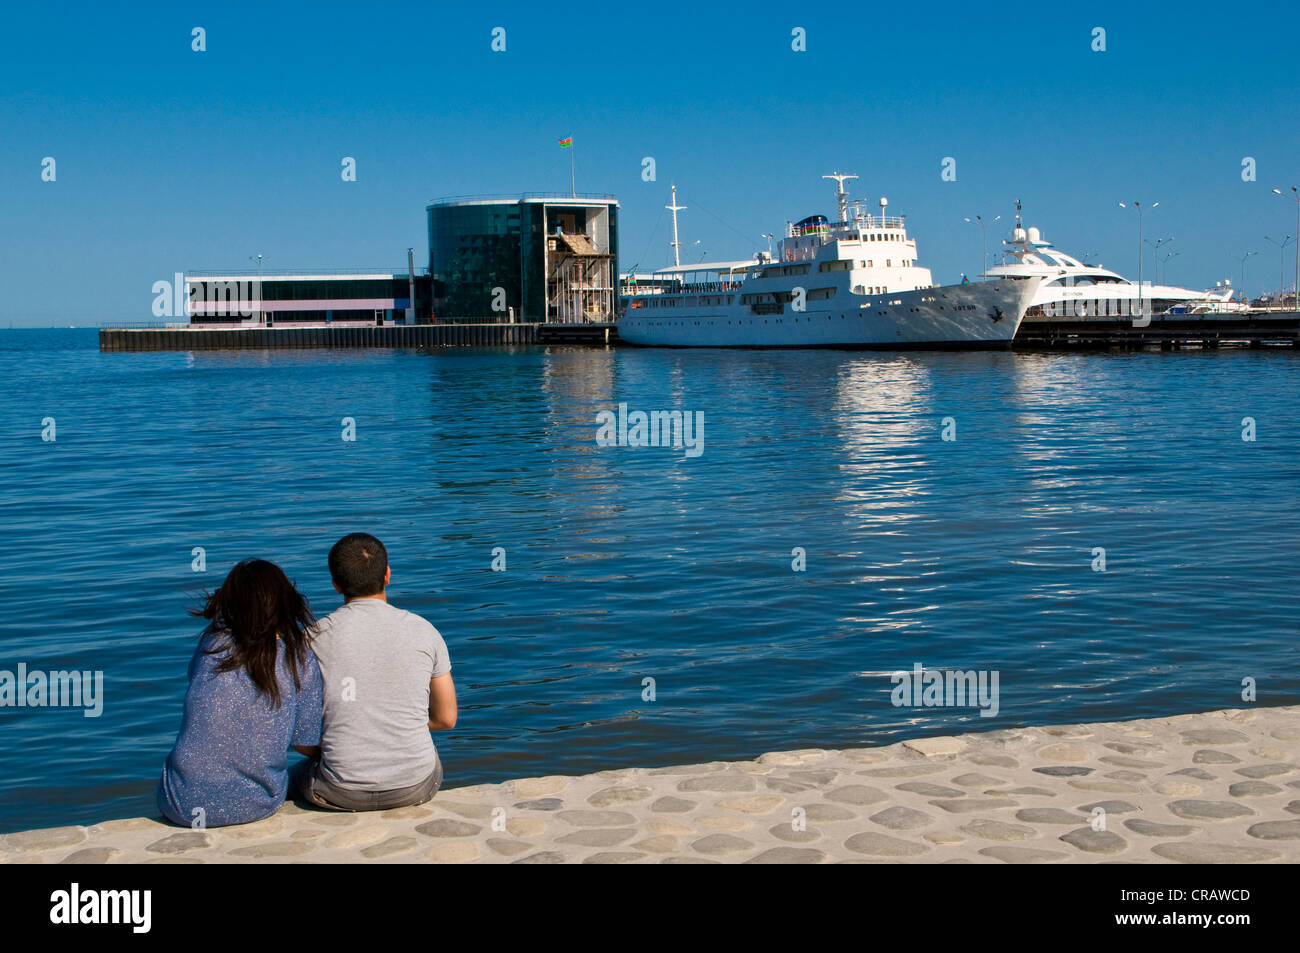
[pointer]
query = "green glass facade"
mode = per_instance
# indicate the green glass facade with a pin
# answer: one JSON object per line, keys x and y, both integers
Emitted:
{"x": 478, "y": 246}
{"x": 473, "y": 249}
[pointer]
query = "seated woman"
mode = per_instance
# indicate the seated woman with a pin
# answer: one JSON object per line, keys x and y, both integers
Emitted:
{"x": 255, "y": 690}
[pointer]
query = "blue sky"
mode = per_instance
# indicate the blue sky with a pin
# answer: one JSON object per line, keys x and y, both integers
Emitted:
{"x": 168, "y": 159}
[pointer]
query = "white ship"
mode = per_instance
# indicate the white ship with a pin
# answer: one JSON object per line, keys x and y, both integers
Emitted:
{"x": 849, "y": 283}
{"x": 1073, "y": 291}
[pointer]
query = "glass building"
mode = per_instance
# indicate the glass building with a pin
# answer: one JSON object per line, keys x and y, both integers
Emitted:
{"x": 306, "y": 298}
{"x": 537, "y": 258}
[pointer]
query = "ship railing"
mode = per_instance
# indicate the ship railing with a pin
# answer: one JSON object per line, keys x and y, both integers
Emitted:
{"x": 872, "y": 221}
{"x": 628, "y": 289}
{"x": 709, "y": 287}
{"x": 143, "y": 325}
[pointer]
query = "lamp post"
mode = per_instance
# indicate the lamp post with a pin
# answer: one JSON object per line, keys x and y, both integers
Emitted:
{"x": 1138, "y": 208}
{"x": 770, "y": 238}
{"x": 1165, "y": 262}
{"x": 1281, "y": 257}
{"x": 1242, "y": 259}
{"x": 261, "y": 315}
{"x": 984, "y": 228}
{"x": 1295, "y": 197}
{"x": 1156, "y": 256}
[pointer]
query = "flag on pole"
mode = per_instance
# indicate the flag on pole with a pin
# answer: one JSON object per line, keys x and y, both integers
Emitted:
{"x": 565, "y": 143}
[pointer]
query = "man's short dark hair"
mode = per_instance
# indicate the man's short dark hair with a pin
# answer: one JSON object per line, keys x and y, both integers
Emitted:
{"x": 358, "y": 563}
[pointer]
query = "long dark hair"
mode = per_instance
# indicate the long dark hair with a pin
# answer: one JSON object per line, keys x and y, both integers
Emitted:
{"x": 256, "y": 603}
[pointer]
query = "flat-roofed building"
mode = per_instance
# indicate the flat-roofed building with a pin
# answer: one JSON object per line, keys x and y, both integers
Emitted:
{"x": 366, "y": 297}
{"x": 539, "y": 257}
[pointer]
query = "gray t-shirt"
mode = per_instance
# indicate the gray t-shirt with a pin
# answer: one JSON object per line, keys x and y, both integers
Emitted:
{"x": 376, "y": 662}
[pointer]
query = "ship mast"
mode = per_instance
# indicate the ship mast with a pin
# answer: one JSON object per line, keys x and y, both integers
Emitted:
{"x": 677, "y": 246}
{"x": 841, "y": 196}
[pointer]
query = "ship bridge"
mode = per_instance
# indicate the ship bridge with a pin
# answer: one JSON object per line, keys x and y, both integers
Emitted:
{"x": 875, "y": 240}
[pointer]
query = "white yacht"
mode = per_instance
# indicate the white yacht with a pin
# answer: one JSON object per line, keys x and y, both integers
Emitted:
{"x": 1073, "y": 291}
{"x": 853, "y": 282}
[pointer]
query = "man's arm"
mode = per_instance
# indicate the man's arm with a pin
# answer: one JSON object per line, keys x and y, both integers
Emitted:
{"x": 442, "y": 703}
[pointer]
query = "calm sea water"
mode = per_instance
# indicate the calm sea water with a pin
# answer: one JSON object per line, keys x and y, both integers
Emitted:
{"x": 625, "y": 564}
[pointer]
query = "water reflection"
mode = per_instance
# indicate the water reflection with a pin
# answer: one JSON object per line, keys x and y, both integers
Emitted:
{"x": 972, "y": 554}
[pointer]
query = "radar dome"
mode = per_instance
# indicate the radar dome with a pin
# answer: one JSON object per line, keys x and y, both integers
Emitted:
{"x": 1034, "y": 234}
{"x": 1019, "y": 235}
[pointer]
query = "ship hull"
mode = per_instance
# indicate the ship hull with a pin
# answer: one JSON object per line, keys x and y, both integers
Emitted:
{"x": 980, "y": 315}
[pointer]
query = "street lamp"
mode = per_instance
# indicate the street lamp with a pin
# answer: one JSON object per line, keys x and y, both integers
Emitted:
{"x": 1156, "y": 245}
{"x": 1165, "y": 261}
{"x": 261, "y": 315}
{"x": 770, "y": 238}
{"x": 1138, "y": 208}
{"x": 1242, "y": 259}
{"x": 1281, "y": 253}
{"x": 1295, "y": 197}
{"x": 984, "y": 228}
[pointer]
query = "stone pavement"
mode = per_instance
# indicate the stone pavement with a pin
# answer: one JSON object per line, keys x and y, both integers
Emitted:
{"x": 1218, "y": 787}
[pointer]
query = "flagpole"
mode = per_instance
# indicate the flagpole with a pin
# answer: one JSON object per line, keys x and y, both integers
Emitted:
{"x": 573, "y": 182}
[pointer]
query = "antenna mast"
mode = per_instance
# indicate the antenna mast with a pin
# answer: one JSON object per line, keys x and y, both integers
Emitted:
{"x": 841, "y": 196}
{"x": 677, "y": 246}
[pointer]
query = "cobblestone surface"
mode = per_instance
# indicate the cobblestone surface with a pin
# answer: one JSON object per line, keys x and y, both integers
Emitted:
{"x": 1218, "y": 787}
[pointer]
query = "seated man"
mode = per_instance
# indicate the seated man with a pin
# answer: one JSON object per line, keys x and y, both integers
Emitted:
{"x": 387, "y": 681}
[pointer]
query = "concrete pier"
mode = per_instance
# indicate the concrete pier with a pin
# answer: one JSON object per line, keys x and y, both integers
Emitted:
{"x": 316, "y": 336}
{"x": 352, "y": 336}
{"x": 1166, "y": 332}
